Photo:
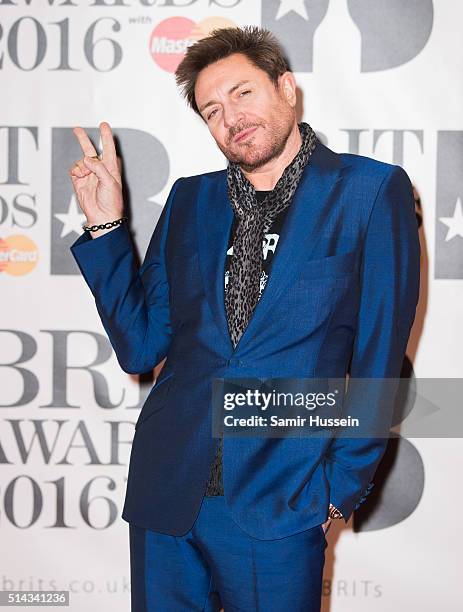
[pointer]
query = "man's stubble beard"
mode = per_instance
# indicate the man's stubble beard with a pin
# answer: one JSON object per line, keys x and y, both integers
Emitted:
{"x": 273, "y": 149}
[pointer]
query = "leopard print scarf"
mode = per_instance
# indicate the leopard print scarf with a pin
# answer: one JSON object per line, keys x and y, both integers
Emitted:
{"x": 254, "y": 221}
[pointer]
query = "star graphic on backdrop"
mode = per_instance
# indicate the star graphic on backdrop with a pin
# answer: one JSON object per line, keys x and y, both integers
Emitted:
{"x": 72, "y": 220}
{"x": 455, "y": 223}
{"x": 286, "y": 6}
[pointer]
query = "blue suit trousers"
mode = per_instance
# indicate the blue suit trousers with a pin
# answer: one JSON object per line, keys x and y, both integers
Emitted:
{"x": 216, "y": 564}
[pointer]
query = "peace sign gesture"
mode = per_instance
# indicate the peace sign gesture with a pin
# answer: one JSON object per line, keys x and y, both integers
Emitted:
{"x": 97, "y": 182}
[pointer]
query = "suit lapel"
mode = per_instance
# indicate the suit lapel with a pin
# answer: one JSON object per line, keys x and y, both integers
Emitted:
{"x": 299, "y": 236}
{"x": 214, "y": 222}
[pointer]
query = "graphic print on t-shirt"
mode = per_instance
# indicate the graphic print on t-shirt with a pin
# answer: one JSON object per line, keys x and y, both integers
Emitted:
{"x": 269, "y": 244}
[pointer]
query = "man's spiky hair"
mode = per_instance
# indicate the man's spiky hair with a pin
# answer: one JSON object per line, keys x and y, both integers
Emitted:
{"x": 259, "y": 45}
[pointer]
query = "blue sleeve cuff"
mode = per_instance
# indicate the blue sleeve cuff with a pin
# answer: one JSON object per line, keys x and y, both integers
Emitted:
{"x": 93, "y": 254}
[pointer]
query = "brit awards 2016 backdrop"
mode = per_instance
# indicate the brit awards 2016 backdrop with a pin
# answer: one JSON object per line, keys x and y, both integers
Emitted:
{"x": 380, "y": 78}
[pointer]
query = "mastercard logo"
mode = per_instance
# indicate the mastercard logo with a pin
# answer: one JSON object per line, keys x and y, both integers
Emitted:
{"x": 18, "y": 255}
{"x": 171, "y": 38}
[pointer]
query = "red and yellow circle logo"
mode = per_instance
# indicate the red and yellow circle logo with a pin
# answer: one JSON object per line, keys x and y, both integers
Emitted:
{"x": 18, "y": 255}
{"x": 170, "y": 39}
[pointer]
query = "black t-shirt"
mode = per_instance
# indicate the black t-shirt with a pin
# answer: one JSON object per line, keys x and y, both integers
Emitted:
{"x": 269, "y": 245}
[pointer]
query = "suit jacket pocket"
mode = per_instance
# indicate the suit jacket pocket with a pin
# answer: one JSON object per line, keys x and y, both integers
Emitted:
{"x": 334, "y": 266}
{"x": 156, "y": 399}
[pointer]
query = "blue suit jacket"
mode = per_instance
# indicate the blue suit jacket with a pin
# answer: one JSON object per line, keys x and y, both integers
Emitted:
{"x": 343, "y": 290}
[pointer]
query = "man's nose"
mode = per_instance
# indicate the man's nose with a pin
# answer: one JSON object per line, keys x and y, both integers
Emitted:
{"x": 231, "y": 116}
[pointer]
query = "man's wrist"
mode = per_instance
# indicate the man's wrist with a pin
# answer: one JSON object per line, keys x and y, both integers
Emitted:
{"x": 100, "y": 232}
{"x": 103, "y": 230}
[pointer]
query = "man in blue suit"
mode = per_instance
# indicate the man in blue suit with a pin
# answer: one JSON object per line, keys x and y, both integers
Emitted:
{"x": 295, "y": 261}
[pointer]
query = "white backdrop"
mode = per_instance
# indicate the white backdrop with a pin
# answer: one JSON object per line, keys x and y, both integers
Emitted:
{"x": 380, "y": 78}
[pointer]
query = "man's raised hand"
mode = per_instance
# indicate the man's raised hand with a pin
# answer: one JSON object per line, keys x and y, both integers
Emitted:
{"x": 97, "y": 182}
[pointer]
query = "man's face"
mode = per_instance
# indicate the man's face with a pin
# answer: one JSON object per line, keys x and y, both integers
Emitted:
{"x": 249, "y": 118}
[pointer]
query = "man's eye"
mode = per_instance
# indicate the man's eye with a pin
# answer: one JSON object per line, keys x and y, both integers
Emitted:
{"x": 246, "y": 91}
{"x": 211, "y": 114}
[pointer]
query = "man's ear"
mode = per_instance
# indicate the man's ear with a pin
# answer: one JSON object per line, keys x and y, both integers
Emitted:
{"x": 287, "y": 86}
